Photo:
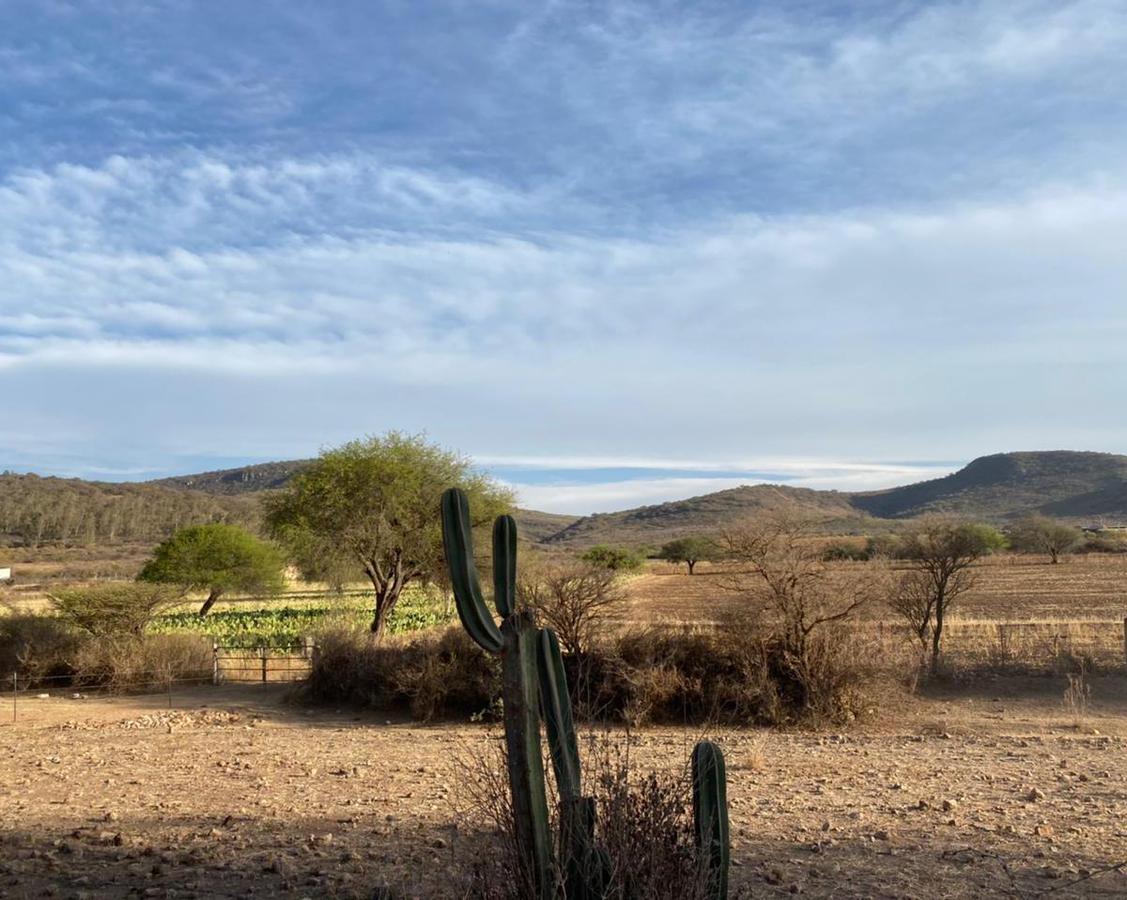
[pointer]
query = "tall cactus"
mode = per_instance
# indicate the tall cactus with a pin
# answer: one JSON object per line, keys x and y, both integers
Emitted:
{"x": 515, "y": 641}
{"x": 534, "y": 681}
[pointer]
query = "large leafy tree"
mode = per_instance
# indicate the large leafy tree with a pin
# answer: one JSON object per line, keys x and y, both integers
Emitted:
{"x": 216, "y": 558}
{"x": 372, "y": 507}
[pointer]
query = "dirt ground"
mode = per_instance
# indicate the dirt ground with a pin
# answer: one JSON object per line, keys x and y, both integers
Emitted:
{"x": 236, "y": 792}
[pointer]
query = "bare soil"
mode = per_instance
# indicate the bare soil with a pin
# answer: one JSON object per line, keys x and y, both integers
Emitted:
{"x": 235, "y": 792}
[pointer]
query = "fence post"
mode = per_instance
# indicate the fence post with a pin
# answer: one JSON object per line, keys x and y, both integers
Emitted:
{"x": 1125, "y": 640}
{"x": 15, "y": 693}
{"x": 215, "y": 662}
{"x": 263, "y": 651}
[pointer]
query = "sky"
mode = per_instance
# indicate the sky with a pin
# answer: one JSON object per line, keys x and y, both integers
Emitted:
{"x": 617, "y": 253}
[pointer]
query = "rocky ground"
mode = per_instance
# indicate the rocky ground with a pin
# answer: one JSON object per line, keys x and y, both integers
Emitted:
{"x": 236, "y": 793}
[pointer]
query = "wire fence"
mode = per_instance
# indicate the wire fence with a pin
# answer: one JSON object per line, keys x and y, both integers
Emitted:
{"x": 242, "y": 665}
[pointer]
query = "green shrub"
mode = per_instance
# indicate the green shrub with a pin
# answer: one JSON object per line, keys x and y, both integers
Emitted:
{"x": 618, "y": 559}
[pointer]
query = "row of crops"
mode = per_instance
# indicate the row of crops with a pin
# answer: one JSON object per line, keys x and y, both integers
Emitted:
{"x": 286, "y": 622}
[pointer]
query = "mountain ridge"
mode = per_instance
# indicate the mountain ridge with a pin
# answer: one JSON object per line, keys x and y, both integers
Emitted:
{"x": 1081, "y": 486}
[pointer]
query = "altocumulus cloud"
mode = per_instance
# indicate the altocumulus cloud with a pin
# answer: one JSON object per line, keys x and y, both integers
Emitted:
{"x": 706, "y": 236}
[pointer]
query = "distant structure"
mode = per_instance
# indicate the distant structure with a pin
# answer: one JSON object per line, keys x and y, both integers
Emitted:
{"x": 5, "y": 573}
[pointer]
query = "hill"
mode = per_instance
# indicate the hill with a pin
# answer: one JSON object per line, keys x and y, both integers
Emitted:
{"x": 660, "y": 523}
{"x": 1062, "y": 483}
{"x": 242, "y": 480}
{"x": 36, "y": 510}
{"x": 1080, "y": 486}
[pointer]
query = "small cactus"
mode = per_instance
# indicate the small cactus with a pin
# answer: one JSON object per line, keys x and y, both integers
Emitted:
{"x": 710, "y": 814}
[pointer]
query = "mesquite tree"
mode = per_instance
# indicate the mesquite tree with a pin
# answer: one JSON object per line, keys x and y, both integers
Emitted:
{"x": 367, "y": 509}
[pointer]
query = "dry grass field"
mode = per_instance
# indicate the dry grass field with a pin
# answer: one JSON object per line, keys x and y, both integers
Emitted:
{"x": 1021, "y": 607}
{"x": 237, "y": 793}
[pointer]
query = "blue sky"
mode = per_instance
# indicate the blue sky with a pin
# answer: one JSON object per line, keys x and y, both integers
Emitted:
{"x": 616, "y": 252}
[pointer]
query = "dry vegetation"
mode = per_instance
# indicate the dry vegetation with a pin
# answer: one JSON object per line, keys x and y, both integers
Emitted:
{"x": 235, "y": 794}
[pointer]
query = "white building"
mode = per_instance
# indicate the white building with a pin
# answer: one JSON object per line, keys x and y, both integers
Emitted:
{"x": 5, "y": 573}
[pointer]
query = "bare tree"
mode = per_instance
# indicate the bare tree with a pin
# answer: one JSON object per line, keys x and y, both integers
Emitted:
{"x": 572, "y": 598}
{"x": 789, "y": 582}
{"x": 941, "y": 553}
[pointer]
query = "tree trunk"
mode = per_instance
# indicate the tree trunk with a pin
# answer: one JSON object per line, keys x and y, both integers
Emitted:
{"x": 210, "y": 601}
{"x": 936, "y": 637}
{"x": 386, "y": 598}
{"x": 691, "y": 564}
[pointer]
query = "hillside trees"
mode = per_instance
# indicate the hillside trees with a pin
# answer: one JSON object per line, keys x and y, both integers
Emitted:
{"x": 941, "y": 553}
{"x": 689, "y": 550}
{"x": 216, "y": 558}
{"x": 372, "y": 506}
{"x": 1040, "y": 534}
{"x": 36, "y": 511}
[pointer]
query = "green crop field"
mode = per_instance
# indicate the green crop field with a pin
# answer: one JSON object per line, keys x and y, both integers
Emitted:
{"x": 286, "y": 620}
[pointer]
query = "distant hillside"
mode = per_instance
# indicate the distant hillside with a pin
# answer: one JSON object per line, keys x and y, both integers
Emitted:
{"x": 243, "y": 480}
{"x": 1072, "y": 485}
{"x": 1061, "y": 483}
{"x": 35, "y": 510}
{"x": 665, "y": 521}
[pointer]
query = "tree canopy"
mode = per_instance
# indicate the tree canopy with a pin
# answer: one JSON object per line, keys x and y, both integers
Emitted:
{"x": 617, "y": 559}
{"x": 216, "y": 558}
{"x": 371, "y": 508}
{"x": 1040, "y": 534}
{"x": 689, "y": 550}
{"x": 942, "y": 553}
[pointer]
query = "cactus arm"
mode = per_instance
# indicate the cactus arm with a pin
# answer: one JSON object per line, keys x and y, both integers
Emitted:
{"x": 710, "y": 815}
{"x": 556, "y": 704}
{"x": 505, "y": 565}
{"x": 522, "y": 744}
{"x": 457, "y": 539}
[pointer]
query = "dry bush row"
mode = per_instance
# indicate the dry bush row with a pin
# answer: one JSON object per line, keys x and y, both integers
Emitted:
{"x": 640, "y": 676}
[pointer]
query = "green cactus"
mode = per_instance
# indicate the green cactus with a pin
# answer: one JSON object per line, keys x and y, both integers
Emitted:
{"x": 710, "y": 814}
{"x": 534, "y": 682}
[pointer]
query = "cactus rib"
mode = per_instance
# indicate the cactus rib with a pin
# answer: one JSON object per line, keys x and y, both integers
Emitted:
{"x": 457, "y": 539}
{"x": 710, "y": 814}
{"x": 505, "y": 565}
{"x": 556, "y": 703}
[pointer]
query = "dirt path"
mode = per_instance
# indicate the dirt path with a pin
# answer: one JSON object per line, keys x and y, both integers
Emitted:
{"x": 236, "y": 794}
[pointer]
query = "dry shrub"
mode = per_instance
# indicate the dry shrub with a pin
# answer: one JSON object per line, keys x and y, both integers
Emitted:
{"x": 643, "y": 820}
{"x": 128, "y": 663}
{"x": 49, "y": 651}
{"x": 37, "y": 647}
{"x": 650, "y": 675}
{"x": 434, "y": 674}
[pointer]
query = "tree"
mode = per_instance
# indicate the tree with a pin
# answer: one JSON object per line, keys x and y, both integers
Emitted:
{"x": 572, "y": 598}
{"x": 617, "y": 559}
{"x": 1040, "y": 534}
{"x": 941, "y": 553}
{"x": 689, "y": 550}
{"x": 372, "y": 506}
{"x": 216, "y": 558}
{"x": 112, "y": 609}
{"x": 790, "y": 584}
